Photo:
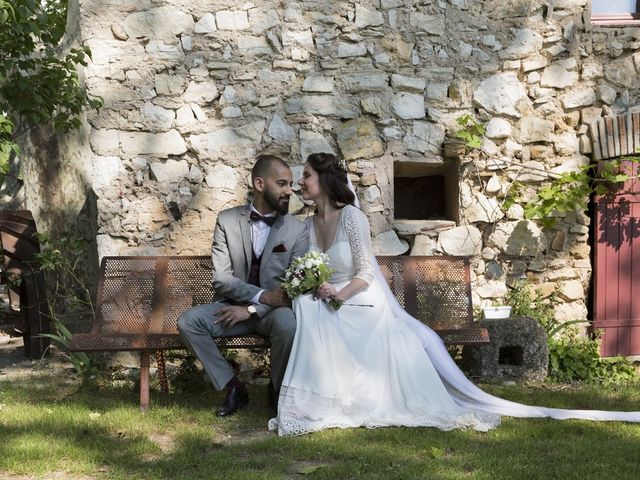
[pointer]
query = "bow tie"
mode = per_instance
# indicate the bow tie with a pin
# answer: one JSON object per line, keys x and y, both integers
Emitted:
{"x": 256, "y": 217}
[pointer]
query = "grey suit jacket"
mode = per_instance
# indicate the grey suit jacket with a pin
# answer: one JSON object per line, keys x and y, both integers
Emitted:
{"x": 231, "y": 254}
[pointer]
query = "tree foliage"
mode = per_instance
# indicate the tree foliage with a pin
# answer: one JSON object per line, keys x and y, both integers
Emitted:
{"x": 38, "y": 84}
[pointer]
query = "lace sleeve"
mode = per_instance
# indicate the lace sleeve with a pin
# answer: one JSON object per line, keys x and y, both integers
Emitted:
{"x": 358, "y": 232}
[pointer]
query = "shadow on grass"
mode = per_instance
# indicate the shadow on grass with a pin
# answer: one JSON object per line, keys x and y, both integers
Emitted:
{"x": 181, "y": 438}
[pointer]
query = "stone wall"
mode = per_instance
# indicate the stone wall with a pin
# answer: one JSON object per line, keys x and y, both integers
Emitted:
{"x": 193, "y": 90}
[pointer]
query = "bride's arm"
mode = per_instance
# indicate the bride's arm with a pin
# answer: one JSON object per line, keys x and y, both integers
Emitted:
{"x": 356, "y": 225}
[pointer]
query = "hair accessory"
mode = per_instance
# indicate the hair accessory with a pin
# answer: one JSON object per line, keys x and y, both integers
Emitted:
{"x": 342, "y": 165}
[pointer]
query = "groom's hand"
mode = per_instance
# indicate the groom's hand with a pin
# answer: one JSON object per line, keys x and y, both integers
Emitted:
{"x": 275, "y": 298}
{"x": 229, "y": 316}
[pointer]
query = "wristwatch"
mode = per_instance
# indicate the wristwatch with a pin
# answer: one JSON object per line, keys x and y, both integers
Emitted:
{"x": 253, "y": 313}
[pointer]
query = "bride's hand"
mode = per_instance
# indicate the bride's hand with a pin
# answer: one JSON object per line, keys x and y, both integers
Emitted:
{"x": 327, "y": 291}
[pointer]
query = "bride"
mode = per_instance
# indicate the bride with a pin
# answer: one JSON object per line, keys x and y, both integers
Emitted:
{"x": 370, "y": 363}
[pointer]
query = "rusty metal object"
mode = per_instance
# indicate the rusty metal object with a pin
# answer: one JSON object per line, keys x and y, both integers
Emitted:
{"x": 141, "y": 298}
{"x": 437, "y": 291}
{"x": 28, "y": 301}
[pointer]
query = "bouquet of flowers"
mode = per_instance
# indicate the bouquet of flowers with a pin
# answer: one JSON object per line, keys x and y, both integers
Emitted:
{"x": 306, "y": 274}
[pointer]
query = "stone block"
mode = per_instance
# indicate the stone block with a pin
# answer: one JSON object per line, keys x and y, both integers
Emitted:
{"x": 583, "y": 97}
{"x": 359, "y": 138}
{"x": 533, "y": 129}
{"x": 483, "y": 209}
{"x": 346, "y": 50}
{"x": 560, "y": 74}
{"x": 432, "y": 24}
{"x": 365, "y": 82}
{"x": 463, "y": 240}
{"x": 200, "y": 92}
{"x": 206, "y": 24}
{"x": 498, "y": 128}
{"x": 162, "y": 22}
{"x": 281, "y": 131}
{"x": 606, "y": 94}
{"x": 222, "y": 177}
{"x": 534, "y": 63}
{"x": 167, "y": 84}
{"x": 328, "y": 105}
{"x": 313, "y": 142}
{"x": 227, "y": 142}
{"x": 524, "y": 43}
{"x": 253, "y": 45}
{"x": 171, "y": 171}
{"x": 294, "y": 37}
{"x": 366, "y": 17}
{"x": 408, "y": 84}
{"x": 157, "y": 117}
{"x": 517, "y": 351}
{"x": 105, "y": 170}
{"x": 104, "y": 141}
{"x": 492, "y": 289}
{"x": 522, "y": 238}
{"x": 423, "y": 245}
{"x": 590, "y": 114}
{"x": 262, "y": 19}
{"x": 232, "y": 20}
{"x": 623, "y": 73}
{"x": 318, "y": 83}
{"x": 425, "y": 137}
{"x": 159, "y": 144}
{"x": 388, "y": 243}
{"x": 409, "y": 106}
{"x": 500, "y": 94}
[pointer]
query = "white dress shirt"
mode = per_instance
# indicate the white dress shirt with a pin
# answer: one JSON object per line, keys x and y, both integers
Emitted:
{"x": 259, "y": 233}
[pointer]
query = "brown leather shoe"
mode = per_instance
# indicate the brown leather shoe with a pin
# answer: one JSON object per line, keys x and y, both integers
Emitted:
{"x": 236, "y": 398}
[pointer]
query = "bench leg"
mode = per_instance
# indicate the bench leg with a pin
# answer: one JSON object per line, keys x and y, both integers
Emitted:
{"x": 144, "y": 380}
{"x": 162, "y": 371}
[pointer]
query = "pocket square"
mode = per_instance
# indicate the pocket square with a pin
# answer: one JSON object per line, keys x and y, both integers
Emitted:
{"x": 280, "y": 248}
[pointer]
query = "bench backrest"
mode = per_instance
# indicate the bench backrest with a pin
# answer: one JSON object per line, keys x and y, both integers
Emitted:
{"x": 436, "y": 289}
{"x": 147, "y": 294}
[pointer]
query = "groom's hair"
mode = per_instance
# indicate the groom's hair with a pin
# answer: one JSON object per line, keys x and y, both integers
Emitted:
{"x": 263, "y": 165}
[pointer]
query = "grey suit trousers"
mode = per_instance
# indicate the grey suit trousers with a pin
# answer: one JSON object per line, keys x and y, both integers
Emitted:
{"x": 198, "y": 331}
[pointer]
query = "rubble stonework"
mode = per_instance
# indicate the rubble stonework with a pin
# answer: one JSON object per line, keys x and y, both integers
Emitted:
{"x": 194, "y": 90}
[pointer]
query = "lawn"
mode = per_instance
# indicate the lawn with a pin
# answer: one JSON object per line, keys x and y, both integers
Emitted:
{"x": 51, "y": 426}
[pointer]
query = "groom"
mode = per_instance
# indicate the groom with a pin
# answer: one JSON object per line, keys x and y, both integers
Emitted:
{"x": 252, "y": 247}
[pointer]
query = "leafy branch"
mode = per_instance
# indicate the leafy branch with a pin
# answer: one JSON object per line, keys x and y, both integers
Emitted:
{"x": 471, "y": 132}
{"x": 568, "y": 191}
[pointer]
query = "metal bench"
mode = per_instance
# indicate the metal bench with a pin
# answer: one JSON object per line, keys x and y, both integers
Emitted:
{"x": 140, "y": 299}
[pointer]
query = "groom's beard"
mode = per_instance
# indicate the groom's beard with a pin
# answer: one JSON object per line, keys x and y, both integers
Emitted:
{"x": 279, "y": 204}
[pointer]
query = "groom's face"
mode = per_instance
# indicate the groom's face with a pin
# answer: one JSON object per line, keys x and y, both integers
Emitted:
{"x": 277, "y": 188}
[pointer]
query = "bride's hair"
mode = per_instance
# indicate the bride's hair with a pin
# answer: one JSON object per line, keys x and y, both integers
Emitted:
{"x": 333, "y": 179}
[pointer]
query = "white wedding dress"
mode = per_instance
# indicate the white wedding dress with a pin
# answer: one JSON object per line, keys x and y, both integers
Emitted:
{"x": 376, "y": 366}
{"x": 357, "y": 366}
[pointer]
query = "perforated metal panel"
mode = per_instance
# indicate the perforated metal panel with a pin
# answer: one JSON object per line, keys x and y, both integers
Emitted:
{"x": 141, "y": 298}
{"x": 437, "y": 291}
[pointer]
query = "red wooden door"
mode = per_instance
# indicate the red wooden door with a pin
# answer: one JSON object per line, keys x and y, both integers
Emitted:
{"x": 617, "y": 268}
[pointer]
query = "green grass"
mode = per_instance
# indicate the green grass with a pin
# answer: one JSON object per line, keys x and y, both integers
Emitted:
{"x": 53, "y": 427}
